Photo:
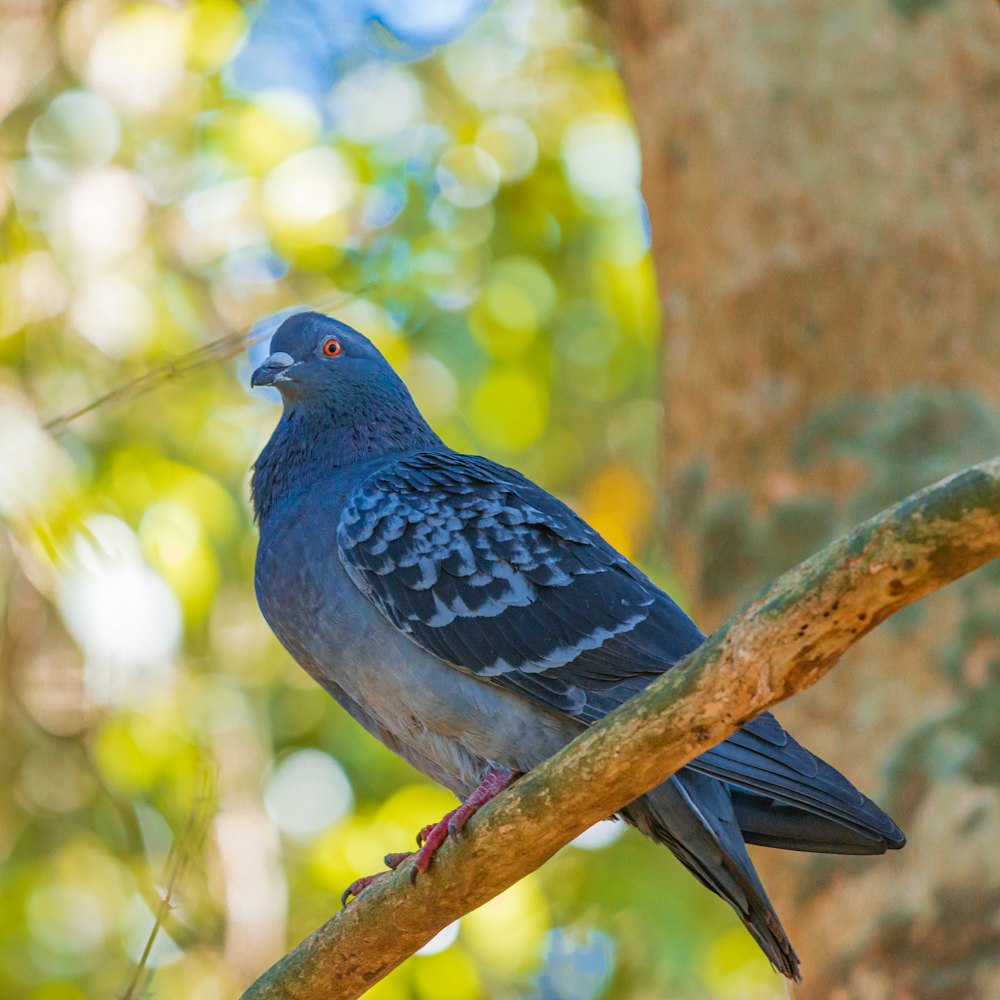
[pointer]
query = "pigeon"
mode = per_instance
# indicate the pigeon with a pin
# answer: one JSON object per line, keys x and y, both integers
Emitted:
{"x": 475, "y": 624}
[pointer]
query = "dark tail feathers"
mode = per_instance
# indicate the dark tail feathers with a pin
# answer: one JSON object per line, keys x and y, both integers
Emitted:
{"x": 693, "y": 815}
{"x": 769, "y": 822}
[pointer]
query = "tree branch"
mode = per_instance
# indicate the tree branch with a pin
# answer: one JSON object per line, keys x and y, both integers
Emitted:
{"x": 777, "y": 645}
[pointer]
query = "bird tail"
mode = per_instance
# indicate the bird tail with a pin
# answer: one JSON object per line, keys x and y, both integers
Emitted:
{"x": 692, "y": 815}
{"x": 786, "y": 797}
{"x": 770, "y": 822}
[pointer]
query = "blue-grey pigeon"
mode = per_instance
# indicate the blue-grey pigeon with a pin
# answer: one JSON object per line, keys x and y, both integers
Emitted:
{"x": 475, "y": 624}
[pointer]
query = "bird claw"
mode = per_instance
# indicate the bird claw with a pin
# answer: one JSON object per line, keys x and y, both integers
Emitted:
{"x": 423, "y": 834}
{"x": 450, "y": 827}
{"x": 358, "y": 886}
{"x": 432, "y": 836}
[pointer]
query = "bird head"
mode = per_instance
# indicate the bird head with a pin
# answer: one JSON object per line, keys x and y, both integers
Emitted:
{"x": 318, "y": 359}
{"x": 342, "y": 401}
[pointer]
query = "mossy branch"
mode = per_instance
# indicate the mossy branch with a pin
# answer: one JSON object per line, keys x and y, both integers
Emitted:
{"x": 777, "y": 645}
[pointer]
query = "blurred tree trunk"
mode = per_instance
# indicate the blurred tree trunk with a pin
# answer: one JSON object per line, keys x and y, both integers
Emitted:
{"x": 823, "y": 181}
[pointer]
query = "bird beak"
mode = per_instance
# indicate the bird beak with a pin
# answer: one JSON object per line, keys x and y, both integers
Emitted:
{"x": 272, "y": 370}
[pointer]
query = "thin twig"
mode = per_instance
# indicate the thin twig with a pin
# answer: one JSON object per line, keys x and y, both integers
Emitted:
{"x": 217, "y": 351}
{"x": 212, "y": 353}
{"x": 181, "y": 851}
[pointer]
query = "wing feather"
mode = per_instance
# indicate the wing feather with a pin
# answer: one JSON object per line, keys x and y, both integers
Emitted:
{"x": 490, "y": 573}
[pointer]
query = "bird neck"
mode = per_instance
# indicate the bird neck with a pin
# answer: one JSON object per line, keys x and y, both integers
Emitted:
{"x": 312, "y": 441}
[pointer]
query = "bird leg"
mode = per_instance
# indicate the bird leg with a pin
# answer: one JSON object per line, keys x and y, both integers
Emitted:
{"x": 451, "y": 825}
{"x": 432, "y": 836}
{"x": 358, "y": 886}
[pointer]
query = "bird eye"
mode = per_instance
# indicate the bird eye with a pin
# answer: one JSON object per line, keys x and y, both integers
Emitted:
{"x": 332, "y": 348}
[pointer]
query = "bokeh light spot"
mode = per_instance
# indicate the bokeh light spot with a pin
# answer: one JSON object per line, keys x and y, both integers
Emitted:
{"x": 602, "y": 157}
{"x": 599, "y": 836}
{"x": 123, "y": 615}
{"x": 137, "y": 59}
{"x": 307, "y": 793}
{"x": 113, "y": 314}
{"x": 309, "y": 186}
{"x": 213, "y": 29}
{"x": 505, "y": 933}
{"x": 511, "y": 143}
{"x": 443, "y": 939}
{"x": 509, "y": 409}
{"x": 78, "y": 128}
{"x": 468, "y": 176}
{"x": 449, "y": 974}
{"x": 375, "y": 101}
{"x": 105, "y": 213}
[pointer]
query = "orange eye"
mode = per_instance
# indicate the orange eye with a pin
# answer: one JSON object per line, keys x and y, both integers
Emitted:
{"x": 332, "y": 348}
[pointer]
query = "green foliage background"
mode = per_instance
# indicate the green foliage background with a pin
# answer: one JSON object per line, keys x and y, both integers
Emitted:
{"x": 477, "y": 213}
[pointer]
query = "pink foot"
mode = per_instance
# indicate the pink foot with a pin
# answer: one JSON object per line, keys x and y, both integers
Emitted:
{"x": 451, "y": 825}
{"x": 431, "y": 837}
{"x": 358, "y": 886}
{"x": 426, "y": 831}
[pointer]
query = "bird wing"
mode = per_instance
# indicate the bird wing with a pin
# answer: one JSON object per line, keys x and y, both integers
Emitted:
{"x": 490, "y": 573}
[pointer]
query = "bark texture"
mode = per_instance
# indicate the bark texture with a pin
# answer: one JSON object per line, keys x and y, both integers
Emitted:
{"x": 779, "y": 644}
{"x": 823, "y": 181}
